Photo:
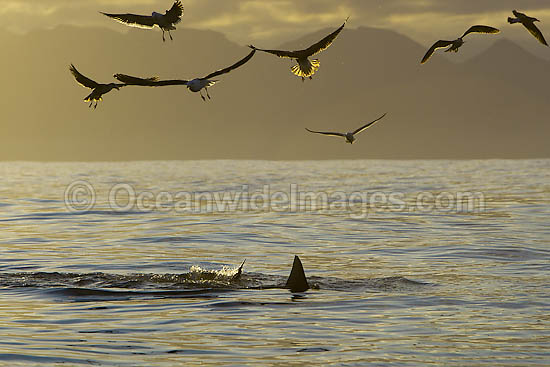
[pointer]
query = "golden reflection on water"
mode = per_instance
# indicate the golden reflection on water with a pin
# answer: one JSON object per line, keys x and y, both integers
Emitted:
{"x": 485, "y": 300}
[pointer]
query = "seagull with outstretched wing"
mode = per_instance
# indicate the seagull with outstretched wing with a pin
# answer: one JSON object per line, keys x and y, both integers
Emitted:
{"x": 98, "y": 90}
{"x": 529, "y": 23}
{"x": 166, "y": 22}
{"x": 306, "y": 67}
{"x": 350, "y": 137}
{"x": 194, "y": 85}
{"x": 457, "y": 43}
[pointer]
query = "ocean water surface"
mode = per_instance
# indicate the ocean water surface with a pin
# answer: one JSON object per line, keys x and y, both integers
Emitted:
{"x": 409, "y": 262}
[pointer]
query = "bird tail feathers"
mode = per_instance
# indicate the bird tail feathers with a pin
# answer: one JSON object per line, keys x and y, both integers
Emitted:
{"x": 306, "y": 68}
{"x": 92, "y": 98}
{"x": 452, "y": 49}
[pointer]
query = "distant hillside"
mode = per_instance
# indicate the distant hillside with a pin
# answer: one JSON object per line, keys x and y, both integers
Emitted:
{"x": 494, "y": 105}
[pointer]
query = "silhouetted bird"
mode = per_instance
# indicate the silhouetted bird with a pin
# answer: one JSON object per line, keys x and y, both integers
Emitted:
{"x": 166, "y": 22}
{"x": 306, "y": 68}
{"x": 98, "y": 90}
{"x": 350, "y": 137}
{"x": 455, "y": 45}
{"x": 195, "y": 85}
{"x": 529, "y": 23}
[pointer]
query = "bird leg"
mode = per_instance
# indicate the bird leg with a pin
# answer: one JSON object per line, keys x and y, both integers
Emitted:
{"x": 90, "y": 105}
{"x": 303, "y": 79}
{"x": 170, "y": 34}
{"x": 204, "y": 99}
{"x": 95, "y": 106}
{"x": 206, "y": 89}
{"x": 163, "y": 39}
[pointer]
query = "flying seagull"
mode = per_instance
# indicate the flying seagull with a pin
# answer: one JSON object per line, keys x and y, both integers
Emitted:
{"x": 166, "y": 22}
{"x": 306, "y": 68}
{"x": 194, "y": 85}
{"x": 455, "y": 45}
{"x": 98, "y": 89}
{"x": 350, "y": 137}
{"x": 529, "y": 23}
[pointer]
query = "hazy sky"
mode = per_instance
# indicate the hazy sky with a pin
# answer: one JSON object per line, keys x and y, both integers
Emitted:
{"x": 275, "y": 21}
{"x": 494, "y": 104}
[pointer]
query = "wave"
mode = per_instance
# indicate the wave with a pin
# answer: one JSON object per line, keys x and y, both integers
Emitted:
{"x": 197, "y": 282}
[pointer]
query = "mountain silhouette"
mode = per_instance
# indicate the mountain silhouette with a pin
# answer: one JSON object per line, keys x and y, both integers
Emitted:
{"x": 494, "y": 105}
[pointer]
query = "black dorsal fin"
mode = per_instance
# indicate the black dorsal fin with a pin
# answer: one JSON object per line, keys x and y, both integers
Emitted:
{"x": 297, "y": 281}
{"x": 237, "y": 276}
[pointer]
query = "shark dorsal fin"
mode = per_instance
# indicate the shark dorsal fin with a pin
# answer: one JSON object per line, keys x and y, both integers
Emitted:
{"x": 237, "y": 276}
{"x": 297, "y": 281}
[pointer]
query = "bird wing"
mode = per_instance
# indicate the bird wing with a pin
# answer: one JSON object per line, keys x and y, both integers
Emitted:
{"x": 133, "y": 80}
{"x": 147, "y": 82}
{"x": 280, "y": 53}
{"x": 435, "y": 46}
{"x": 325, "y": 42}
{"x": 326, "y": 133}
{"x": 368, "y": 125}
{"x": 310, "y": 51}
{"x": 518, "y": 14}
{"x": 82, "y": 80}
{"x": 234, "y": 66}
{"x": 163, "y": 83}
{"x": 481, "y": 29}
{"x": 174, "y": 14}
{"x": 133, "y": 20}
{"x": 532, "y": 28}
